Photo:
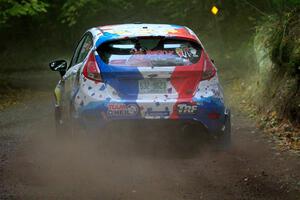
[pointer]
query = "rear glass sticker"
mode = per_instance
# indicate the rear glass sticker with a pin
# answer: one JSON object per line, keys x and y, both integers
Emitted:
{"x": 187, "y": 52}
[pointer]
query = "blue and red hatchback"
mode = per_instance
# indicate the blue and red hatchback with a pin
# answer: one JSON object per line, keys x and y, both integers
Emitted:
{"x": 141, "y": 71}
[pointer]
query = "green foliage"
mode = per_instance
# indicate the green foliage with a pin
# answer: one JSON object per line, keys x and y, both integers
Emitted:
{"x": 277, "y": 44}
{"x": 280, "y": 35}
{"x": 174, "y": 9}
{"x": 285, "y": 2}
{"x": 72, "y": 9}
{"x": 14, "y": 8}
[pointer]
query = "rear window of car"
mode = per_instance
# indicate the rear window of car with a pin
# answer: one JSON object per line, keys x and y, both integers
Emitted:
{"x": 150, "y": 52}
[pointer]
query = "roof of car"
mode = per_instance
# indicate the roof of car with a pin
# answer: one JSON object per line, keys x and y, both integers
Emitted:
{"x": 120, "y": 31}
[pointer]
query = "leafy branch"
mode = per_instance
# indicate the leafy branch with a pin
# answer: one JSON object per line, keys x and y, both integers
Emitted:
{"x": 14, "y": 8}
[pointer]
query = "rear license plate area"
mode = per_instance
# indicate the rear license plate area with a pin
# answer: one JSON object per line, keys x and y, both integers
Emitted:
{"x": 152, "y": 86}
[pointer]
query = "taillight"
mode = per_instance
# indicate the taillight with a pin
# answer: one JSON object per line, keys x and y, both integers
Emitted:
{"x": 209, "y": 70}
{"x": 91, "y": 69}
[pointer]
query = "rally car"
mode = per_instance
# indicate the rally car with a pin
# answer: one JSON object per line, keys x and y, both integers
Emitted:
{"x": 140, "y": 71}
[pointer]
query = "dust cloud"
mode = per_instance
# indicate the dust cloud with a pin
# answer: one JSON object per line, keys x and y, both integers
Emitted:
{"x": 136, "y": 160}
{"x": 127, "y": 160}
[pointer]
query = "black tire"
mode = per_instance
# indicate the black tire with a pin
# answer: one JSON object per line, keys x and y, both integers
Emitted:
{"x": 223, "y": 138}
{"x": 66, "y": 124}
{"x": 62, "y": 127}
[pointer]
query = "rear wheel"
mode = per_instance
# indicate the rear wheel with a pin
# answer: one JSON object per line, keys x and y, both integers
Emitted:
{"x": 66, "y": 125}
{"x": 223, "y": 137}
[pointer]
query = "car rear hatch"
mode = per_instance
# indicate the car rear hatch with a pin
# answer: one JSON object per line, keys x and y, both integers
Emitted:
{"x": 151, "y": 67}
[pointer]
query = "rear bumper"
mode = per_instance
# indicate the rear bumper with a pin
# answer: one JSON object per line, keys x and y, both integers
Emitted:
{"x": 209, "y": 112}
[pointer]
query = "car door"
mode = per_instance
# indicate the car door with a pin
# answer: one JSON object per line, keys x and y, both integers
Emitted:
{"x": 71, "y": 78}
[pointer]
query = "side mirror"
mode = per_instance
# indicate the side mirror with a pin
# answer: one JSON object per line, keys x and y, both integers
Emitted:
{"x": 59, "y": 65}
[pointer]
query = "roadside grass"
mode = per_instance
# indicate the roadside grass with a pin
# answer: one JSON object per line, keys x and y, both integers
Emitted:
{"x": 11, "y": 96}
{"x": 264, "y": 82}
{"x": 18, "y": 87}
{"x": 282, "y": 131}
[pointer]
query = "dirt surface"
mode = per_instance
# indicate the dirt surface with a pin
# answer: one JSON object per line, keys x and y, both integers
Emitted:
{"x": 134, "y": 161}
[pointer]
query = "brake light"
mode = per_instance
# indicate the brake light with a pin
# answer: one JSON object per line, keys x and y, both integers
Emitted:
{"x": 209, "y": 70}
{"x": 91, "y": 69}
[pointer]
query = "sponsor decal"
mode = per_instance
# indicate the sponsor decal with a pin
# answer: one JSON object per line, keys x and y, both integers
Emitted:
{"x": 152, "y": 52}
{"x": 120, "y": 109}
{"x": 187, "y": 52}
{"x": 187, "y": 109}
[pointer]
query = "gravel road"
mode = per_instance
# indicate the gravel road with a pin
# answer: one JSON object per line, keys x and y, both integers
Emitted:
{"x": 135, "y": 161}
